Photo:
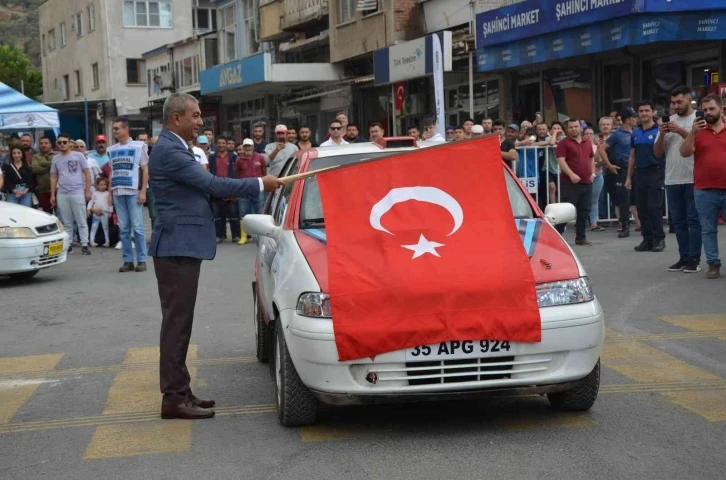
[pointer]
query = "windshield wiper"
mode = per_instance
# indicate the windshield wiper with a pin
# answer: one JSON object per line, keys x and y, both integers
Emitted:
{"x": 313, "y": 221}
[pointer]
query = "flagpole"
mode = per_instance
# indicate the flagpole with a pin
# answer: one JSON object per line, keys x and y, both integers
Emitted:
{"x": 302, "y": 176}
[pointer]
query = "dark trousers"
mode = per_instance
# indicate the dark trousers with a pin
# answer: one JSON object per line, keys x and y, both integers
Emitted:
{"x": 44, "y": 201}
{"x": 615, "y": 185}
{"x": 580, "y": 195}
{"x": 649, "y": 184}
{"x": 177, "y": 279}
{"x": 223, "y": 211}
{"x": 682, "y": 212}
{"x": 151, "y": 204}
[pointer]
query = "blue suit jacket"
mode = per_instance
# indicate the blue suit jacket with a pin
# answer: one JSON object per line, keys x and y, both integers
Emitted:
{"x": 184, "y": 225}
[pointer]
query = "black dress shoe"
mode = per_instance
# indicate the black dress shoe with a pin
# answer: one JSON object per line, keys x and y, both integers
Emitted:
{"x": 658, "y": 246}
{"x": 127, "y": 267}
{"x": 141, "y": 267}
{"x": 624, "y": 234}
{"x": 198, "y": 402}
{"x": 643, "y": 247}
{"x": 185, "y": 411}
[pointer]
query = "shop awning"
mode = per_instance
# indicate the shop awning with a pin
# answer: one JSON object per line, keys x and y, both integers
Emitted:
{"x": 18, "y": 112}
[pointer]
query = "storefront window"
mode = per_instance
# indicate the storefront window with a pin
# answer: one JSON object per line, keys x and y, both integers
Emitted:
{"x": 486, "y": 102}
{"x": 616, "y": 88}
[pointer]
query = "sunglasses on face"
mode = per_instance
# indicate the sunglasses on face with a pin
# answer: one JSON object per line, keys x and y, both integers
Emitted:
{"x": 62, "y": 142}
{"x": 336, "y": 128}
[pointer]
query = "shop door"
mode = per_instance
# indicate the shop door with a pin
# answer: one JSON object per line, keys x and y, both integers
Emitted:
{"x": 529, "y": 100}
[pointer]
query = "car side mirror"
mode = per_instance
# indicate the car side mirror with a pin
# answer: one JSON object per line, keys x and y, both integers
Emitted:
{"x": 560, "y": 213}
{"x": 263, "y": 225}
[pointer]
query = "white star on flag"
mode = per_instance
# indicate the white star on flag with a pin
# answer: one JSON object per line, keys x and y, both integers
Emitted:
{"x": 423, "y": 247}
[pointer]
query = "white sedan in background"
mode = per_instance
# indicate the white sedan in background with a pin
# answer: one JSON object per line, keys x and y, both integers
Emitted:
{"x": 30, "y": 240}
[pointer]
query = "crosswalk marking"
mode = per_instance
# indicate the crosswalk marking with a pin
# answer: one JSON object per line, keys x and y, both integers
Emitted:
{"x": 14, "y": 393}
{"x": 714, "y": 324}
{"x": 136, "y": 392}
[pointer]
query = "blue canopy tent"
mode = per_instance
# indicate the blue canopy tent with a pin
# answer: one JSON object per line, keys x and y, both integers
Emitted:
{"x": 18, "y": 112}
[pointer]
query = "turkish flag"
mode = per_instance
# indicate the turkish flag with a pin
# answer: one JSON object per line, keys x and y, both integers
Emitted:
{"x": 423, "y": 248}
{"x": 400, "y": 89}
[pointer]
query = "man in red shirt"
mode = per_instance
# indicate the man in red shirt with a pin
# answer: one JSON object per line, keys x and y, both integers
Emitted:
{"x": 577, "y": 164}
{"x": 249, "y": 164}
{"x": 707, "y": 143}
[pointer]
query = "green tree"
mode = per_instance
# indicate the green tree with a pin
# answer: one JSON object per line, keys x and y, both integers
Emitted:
{"x": 15, "y": 68}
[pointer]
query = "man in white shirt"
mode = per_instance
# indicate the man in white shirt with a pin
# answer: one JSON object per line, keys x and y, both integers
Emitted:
{"x": 336, "y": 134}
{"x": 679, "y": 181}
{"x": 200, "y": 151}
{"x": 277, "y": 153}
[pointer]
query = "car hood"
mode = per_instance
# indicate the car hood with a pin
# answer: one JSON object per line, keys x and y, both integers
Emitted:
{"x": 12, "y": 215}
{"x": 550, "y": 257}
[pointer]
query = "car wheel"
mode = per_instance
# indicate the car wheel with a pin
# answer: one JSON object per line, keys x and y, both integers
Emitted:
{"x": 296, "y": 405}
{"x": 24, "y": 275}
{"x": 580, "y": 398}
{"x": 264, "y": 334}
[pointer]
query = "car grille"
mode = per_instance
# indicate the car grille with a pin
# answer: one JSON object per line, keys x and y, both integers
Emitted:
{"x": 47, "y": 229}
{"x": 457, "y": 371}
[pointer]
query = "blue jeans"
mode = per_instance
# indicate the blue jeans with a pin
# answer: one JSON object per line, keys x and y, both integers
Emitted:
{"x": 682, "y": 210}
{"x": 708, "y": 203}
{"x": 131, "y": 216}
{"x": 597, "y": 185}
{"x": 248, "y": 206}
{"x": 26, "y": 200}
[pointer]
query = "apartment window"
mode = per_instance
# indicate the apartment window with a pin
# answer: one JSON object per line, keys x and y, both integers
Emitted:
{"x": 78, "y": 23}
{"x": 94, "y": 72}
{"x": 42, "y": 44}
{"x": 204, "y": 19}
{"x": 135, "y": 71}
{"x": 77, "y": 78}
{"x": 51, "y": 39}
{"x": 63, "y": 35}
{"x": 91, "y": 11}
{"x": 347, "y": 10}
{"x": 147, "y": 14}
{"x": 227, "y": 34}
{"x": 252, "y": 44}
{"x": 66, "y": 88}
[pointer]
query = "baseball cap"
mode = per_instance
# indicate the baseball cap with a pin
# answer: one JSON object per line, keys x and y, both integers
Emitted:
{"x": 248, "y": 141}
{"x": 514, "y": 127}
{"x": 280, "y": 128}
{"x": 202, "y": 139}
{"x": 101, "y": 138}
{"x": 450, "y": 127}
{"x": 627, "y": 113}
{"x": 477, "y": 129}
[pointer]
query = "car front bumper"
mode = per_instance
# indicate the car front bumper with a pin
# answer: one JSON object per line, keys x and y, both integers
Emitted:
{"x": 572, "y": 339}
{"x": 28, "y": 254}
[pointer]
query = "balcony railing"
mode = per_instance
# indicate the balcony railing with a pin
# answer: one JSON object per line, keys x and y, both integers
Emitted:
{"x": 298, "y": 12}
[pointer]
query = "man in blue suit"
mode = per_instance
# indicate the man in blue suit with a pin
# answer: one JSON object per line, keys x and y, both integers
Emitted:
{"x": 182, "y": 237}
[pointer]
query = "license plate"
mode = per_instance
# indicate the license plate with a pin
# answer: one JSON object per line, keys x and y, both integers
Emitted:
{"x": 458, "y": 349}
{"x": 55, "y": 248}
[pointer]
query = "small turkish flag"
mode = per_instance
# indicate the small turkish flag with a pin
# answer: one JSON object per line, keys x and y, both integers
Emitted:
{"x": 423, "y": 248}
{"x": 400, "y": 89}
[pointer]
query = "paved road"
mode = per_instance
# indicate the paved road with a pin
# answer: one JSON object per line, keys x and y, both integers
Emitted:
{"x": 79, "y": 388}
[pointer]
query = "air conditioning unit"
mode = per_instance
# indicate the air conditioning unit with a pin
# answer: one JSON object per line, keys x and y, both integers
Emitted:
{"x": 413, "y": 104}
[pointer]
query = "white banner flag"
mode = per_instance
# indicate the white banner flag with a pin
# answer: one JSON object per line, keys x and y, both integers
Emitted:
{"x": 439, "y": 87}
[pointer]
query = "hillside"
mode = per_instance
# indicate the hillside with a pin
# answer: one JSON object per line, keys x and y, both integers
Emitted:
{"x": 19, "y": 26}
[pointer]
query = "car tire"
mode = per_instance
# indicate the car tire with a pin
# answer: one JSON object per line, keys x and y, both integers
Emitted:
{"x": 296, "y": 405}
{"x": 264, "y": 334}
{"x": 24, "y": 275}
{"x": 580, "y": 398}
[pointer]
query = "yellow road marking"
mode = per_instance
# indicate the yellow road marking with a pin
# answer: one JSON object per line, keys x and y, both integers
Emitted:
{"x": 711, "y": 405}
{"x": 700, "y": 323}
{"x": 138, "y": 392}
{"x": 14, "y": 394}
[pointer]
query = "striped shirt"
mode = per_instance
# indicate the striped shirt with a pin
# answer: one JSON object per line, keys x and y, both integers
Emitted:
{"x": 679, "y": 170}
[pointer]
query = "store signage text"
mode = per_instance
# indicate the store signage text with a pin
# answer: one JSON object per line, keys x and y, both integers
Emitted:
{"x": 230, "y": 76}
{"x": 574, "y": 7}
{"x": 507, "y": 22}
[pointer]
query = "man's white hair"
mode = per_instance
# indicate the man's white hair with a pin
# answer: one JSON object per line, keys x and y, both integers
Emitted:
{"x": 176, "y": 103}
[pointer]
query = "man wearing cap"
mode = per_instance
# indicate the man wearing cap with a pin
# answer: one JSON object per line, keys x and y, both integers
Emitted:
{"x": 201, "y": 150}
{"x": 249, "y": 164}
{"x": 477, "y": 131}
{"x": 506, "y": 146}
{"x": 100, "y": 155}
{"x": 615, "y": 152}
{"x": 277, "y": 153}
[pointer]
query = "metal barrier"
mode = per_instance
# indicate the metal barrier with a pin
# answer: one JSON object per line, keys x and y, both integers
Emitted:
{"x": 539, "y": 162}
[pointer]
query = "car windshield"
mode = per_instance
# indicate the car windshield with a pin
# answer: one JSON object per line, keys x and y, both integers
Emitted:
{"x": 311, "y": 211}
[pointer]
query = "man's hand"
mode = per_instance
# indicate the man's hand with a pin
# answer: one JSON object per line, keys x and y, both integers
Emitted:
{"x": 698, "y": 125}
{"x": 280, "y": 146}
{"x": 142, "y": 198}
{"x": 665, "y": 127}
{"x": 88, "y": 195}
{"x": 575, "y": 178}
{"x": 674, "y": 127}
{"x": 614, "y": 169}
{"x": 18, "y": 194}
{"x": 628, "y": 184}
{"x": 271, "y": 183}
{"x": 88, "y": 213}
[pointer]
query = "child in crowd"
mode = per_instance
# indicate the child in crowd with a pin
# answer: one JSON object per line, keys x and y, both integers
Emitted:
{"x": 100, "y": 208}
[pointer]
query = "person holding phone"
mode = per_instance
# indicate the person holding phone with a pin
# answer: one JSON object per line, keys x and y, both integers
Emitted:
{"x": 679, "y": 181}
{"x": 707, "y": 143}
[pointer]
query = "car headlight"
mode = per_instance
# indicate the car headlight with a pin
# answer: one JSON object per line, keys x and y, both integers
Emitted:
{"x": 61, "y": 228}
{"x": 314, "y": 304}
{"x": 564, "y": 292}
{"x": 16, "y": 232}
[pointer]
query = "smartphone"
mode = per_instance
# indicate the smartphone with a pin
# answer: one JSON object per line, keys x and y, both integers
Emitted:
{"x": 530, "y": 131}
{"x": 700, "y": 115}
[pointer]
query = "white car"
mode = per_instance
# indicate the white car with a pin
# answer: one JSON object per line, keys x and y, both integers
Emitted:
{"x": 294, "y": 330}
{"x": 30, "y": 240}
